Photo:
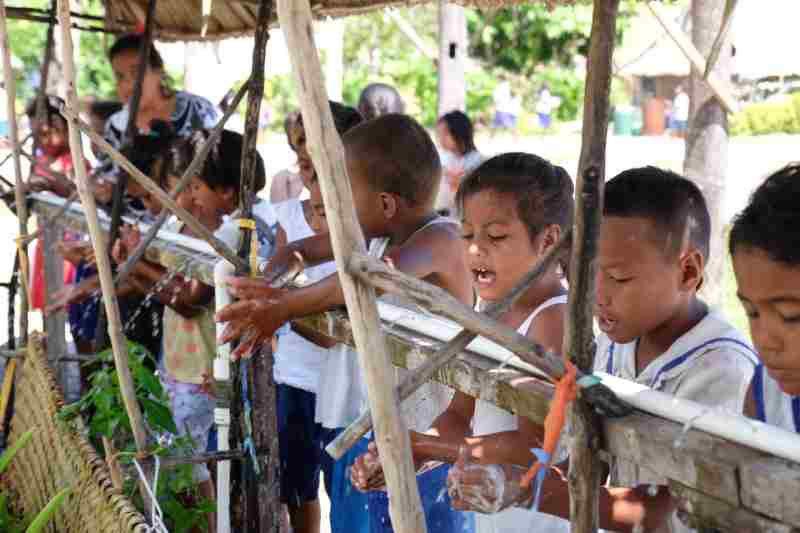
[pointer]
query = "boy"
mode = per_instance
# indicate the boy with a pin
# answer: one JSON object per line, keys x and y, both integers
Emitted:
{"x": 652, "y": 251}
{"x": 394, "y": 172}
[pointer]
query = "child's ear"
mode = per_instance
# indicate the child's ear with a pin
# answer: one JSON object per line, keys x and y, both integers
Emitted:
{"x": 230, "y": 195}
{"x": 692, "y": 265}
{"x": 389, "y": 205}
{"x": 548, "y": 238}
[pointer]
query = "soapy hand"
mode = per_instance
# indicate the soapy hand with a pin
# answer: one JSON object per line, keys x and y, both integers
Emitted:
{"x": 366, "y": 474}
{"x": 486, "y": 489}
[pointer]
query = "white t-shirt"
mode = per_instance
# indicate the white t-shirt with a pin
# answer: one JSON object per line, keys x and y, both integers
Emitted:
{"x": 298, "y": 362}
{"x": 773, "y": 406}
{"x": 488, "y": 419}
{"x": 468, "y": 162}
{"x": 710, "y": 364}
{"x": 680, "y": 106}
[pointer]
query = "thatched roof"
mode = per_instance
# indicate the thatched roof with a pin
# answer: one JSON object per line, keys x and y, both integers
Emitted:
{"x": 182, "y": 19}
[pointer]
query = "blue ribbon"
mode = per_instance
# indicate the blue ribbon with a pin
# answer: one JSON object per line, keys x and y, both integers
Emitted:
{"x": 544, "y": 458}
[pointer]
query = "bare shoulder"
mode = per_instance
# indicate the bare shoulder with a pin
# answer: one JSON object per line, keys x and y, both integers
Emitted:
{"x": 547, "y": 328}
{"x": 445, "y": 233}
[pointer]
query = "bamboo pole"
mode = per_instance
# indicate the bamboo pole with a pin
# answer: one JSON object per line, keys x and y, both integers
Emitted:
{"x": 585, "y": 468}
{"x": 327, "y": 153}
{"x": 194, "y": 167}
{"x": 260, "y": 497}
{"x": 19, "y": 187}
{"x": 425, "y": 372}
{"x": 200, "y": 231}
{"x": 118, "y": 344}
{"x": 379, "y": 275}
{"x": 727, "y": 23}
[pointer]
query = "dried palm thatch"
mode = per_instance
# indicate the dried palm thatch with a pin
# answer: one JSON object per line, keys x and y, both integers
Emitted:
{"x": 58, "y": 457}
{"x": 183, "y": 20}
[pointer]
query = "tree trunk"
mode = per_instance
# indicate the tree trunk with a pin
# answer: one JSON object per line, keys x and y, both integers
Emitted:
{"x": 452, "y": 57}
{"x": 706, "y": 157}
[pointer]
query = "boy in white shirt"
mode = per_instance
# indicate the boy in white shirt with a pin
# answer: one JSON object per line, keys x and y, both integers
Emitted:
{"x": 652, "y": 251}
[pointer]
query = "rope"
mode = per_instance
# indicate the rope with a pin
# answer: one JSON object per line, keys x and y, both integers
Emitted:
{"x": 156, "y": 516}
{"x": 566, "y": 392}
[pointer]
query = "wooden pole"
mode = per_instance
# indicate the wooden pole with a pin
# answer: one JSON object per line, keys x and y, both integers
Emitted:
{"x": 585, "y": 467}
{"x": 425, "y": 372}
{"x": 257, "y": 495}
{"x": 452, "y": 58}
{"x": 200, "y": 231}
{"x": 327, "y": 153}
{"x": 44, "y": 73}
{"x": 19, "y": 185}
{"x": 118, "y": 344}
{"x": 194, "y": 166}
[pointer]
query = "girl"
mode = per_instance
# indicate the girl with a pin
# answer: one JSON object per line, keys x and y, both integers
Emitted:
{"x": 765, "y": 247}
{"x": 455, "y": 135}
{"x": 183, "y": 111}
{"x": 513, "y": 208}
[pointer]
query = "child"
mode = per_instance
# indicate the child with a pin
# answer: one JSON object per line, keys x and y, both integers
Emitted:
{"x": 378, "y": 99}
{"x": 298, "y": 359}
{"x": 287, "y": 183}
{"x": 190, "y": 347}
{"x": 652, "y": 251}
{"x": 766, "y": 255}
{"x": 394, "y": 171}
{"x": 456, "y": 138}
{"x": 513, "y": 209}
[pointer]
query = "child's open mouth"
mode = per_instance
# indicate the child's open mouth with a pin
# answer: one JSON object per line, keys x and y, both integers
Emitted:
{"x": 605, "y": 324}
{"x": 483, "y": 277}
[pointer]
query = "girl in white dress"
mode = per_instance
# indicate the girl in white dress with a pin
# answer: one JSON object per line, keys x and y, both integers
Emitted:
{"x": 514, "y": 207}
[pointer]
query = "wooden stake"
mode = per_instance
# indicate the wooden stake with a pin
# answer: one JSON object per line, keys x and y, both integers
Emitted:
{"x": 200, "y": 231}
{"x": 585, "y": 467}
{"x": 725, "y": 27}
{"x": 118, "y": 344}
{"x": 194, "y": 166}
{"x": 19, "y": 187}
{"x": 327, "y": 154}
{"x": 425, "y": 372}
{"x": 260, "y": 497}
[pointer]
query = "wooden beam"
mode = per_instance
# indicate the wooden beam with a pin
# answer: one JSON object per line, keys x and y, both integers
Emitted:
{"x": 118, "y": 344}
{"x": 19, "y": 185}
{"x": 585, "y": 470}
{"x": 727, "y": 22}
{"x": 379, "y": 275}
{"x": 447, "y": 353}
{"x": 327, "y": 154}
{"x": 721, "y": 88}
{"x": 150, "y": 186}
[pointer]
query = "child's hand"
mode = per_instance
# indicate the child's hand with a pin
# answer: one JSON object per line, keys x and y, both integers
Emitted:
{"x": 258, "y": 314}
{"x": 486, "y": 489}
{"x": 366, "y": 474}
{"x": 284, "y": 261}
{"x": 129, "y": 239}
{"x": 75, "y": 251}
{"x": 70, "y": 294}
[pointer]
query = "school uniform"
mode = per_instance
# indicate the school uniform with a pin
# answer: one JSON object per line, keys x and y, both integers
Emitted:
{"x": 773, "y": 406}
{"x": 488, "y": 419}
{"x": 710, "y": 364}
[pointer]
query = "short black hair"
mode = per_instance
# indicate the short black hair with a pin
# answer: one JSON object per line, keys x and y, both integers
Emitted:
{"x": 771, "y": 219}
{"x": 543, "y": 193}
{"x": 148, "y": 149}
{"x": 133, "y": 41}
{"x": 378, "y": 99}
{"x": 460, "y": 127}
{"x": 671, "y": 202}
{"x": 104, "y": 109}
{"x": 398, "y": 156}
{"x": 223, "y": 166}
{"x": 52, "y": 108}
{"x": 345, "y": 117}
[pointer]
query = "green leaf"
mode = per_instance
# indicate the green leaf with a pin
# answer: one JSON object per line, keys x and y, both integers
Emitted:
{"x": 9, "y": 454}
{"x": 149, "y": 381}
{"x": 47, "y": 513}
{"x": 158, "y": 415}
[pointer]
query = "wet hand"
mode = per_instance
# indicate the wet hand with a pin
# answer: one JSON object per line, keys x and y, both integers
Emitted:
{"x": 69, "y": 294}
{"x": 486, "y": 489}
{"x": 366, "y": 474}
{"x": 75, "y": 251}
{"x": 253, "y": 320}
{"x": 285, "y": 263}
